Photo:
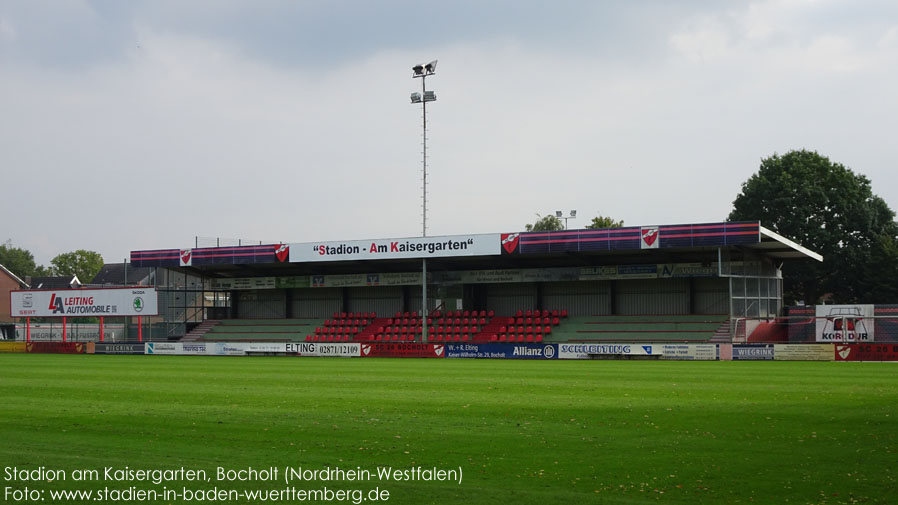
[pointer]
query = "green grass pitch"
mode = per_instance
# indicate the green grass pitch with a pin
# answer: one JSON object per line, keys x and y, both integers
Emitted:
{"x": 522, "y": 432}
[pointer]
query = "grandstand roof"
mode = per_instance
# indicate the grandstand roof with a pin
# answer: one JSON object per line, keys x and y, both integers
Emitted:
{"x": 121, "y": 274}
{"x": 584, "y": 248}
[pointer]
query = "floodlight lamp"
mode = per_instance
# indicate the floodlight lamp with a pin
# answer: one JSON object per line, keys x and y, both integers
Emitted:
{"x": 431, "y": 67}
{"x": 573, "y": 213}
{"x": 429, "y": 96}
{"x": 418, "y": 70}
{"x": 557, "y": 213}
{"x": 416, "y": 97}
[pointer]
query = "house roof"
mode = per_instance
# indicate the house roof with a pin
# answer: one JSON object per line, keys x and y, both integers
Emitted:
{"x": 13, "y": 276}
{"x": 56, "y": 282}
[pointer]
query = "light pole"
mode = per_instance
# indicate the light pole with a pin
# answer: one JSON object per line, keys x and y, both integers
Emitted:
{"x": 559, "y": 215}
{"x": 425, "y": 96}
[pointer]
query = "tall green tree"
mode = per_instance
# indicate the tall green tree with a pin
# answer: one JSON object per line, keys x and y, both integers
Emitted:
{"x": 601, "y": 222}
{"x": 545, "y": 223}
{"x": 832, "y": 210}
{"x": 84, "y": 264}
{"x": 18, "y": 260}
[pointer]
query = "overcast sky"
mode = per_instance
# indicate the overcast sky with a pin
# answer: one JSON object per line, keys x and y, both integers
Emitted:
{"x": 140, "y": 125}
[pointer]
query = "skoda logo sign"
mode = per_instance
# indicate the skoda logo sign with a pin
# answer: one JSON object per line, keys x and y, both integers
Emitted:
{"x": 137, "y": 304}
{"x": 549, "y": 351}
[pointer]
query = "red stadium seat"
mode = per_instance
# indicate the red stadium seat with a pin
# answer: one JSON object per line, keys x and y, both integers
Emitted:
{"x": 494, "y": 338}
{"x": 563, "y": 312}
{"x": 466, "y": 313}
{"x": 556, "y": 321}
{"x": 529, "y": 337}
{"x": 538, "y": 338}
{"x": 503, "y": 337}
{"x": 519, "y": 313}
{"x": 491, "y": 314}
{"x": 547, "y": 330}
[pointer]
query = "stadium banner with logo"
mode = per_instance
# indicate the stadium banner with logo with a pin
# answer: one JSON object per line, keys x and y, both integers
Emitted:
{"x": 503, "y": 351}
{"x": 757, "y": 352}
{"x": 402, "y": 350}
{"x": 55, "y": 347}
{"x": 866, "y": 352}
{"x": 244, "y": 283}
{"x": 214, "y": 348}
{"x": 845, "y": 323}
{"x": 12, "y": 347}
{"x": 136, "y": 301}
{"x": 319, "y": 349}
{"x": 174, "y": 348}
{"x": 694, "y": 352}
{"x": 803, "y": 352}
{"x": 118, "y": 348}
{"x": 404, "y": 248}
{"x": 587, "y": 351}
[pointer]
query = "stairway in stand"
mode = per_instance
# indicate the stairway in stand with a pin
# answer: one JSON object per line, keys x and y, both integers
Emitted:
{"x": 722, "y": 334}
{"x": 198, "y": 332}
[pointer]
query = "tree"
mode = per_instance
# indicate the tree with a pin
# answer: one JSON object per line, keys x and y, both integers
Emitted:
{"x": 85, "y": 264}
{"x": 17, "y": 260}
{"x": 600, "y": 222}
{"x": 545, "y": 223}
{"x": 831, "y": 210}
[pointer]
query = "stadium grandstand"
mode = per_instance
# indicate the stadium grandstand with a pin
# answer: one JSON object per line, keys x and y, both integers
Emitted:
{"x": 679, "y": 283}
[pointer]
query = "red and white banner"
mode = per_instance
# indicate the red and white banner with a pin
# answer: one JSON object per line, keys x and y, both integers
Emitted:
{"x": 136, "y": 301}
{"x": 866, "y": 352}
{"x": 403, "y": 248}
{"x": 400, "y": 350}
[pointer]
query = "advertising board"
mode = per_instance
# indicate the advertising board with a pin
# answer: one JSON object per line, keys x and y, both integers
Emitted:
{"x": 118, "y": 348}
{"x": 12, "y": 347}
{"x": 587, "y": 351}
{"x": 214, "y": 348}
{"x": 760, "y": 352}
{"x": 55, "y": 347}
{"x": 691, "y": 352}
{"x": 136, "y": 301}
{"x": 803, "y": 352}
{"x": 505, "y": 351}
{"x": 342, "y": 350}
{"x": 845, "y": 323}
{"x": 402, "y": 350}
{"x": 866, "y": 352}
{"x": 404, "y": 248}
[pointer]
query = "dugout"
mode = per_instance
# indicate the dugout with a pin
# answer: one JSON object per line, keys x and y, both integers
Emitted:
{"x": 731, "y": 269}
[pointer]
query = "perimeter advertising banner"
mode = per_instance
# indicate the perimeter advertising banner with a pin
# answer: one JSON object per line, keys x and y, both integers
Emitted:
{"x": 506, "y": 351}
{"x": 213, "y": 348}
{"x": 136, "y": 301}
{"x": 118, "y": 348}
{"x": 405, "y": 248}
{"x": 342, "y": 350}
{"x": 845, "y": 323}
{"x": 692, "y": 352}
{"x": 803, "y": 352}
{"x": 586, "y": 351}
{"x": 760, "y": 352}
{"x": 403, "y": 350}
{"x": 12, "y": 347}
{"x": 866, "y": 352}
{"x": 55, "y": 347}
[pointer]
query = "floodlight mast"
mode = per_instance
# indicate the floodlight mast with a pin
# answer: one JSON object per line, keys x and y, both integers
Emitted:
{"x": 423, "y": 71}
